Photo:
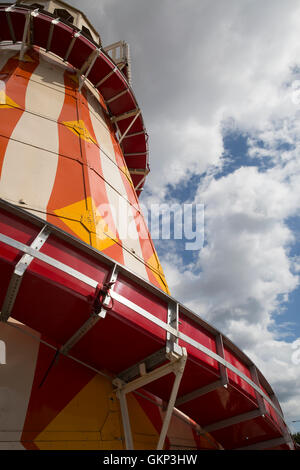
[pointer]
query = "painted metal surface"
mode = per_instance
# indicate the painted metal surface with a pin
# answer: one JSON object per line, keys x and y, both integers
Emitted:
{"x": 63, "y": 141}
{"x": 124, "y": 337}
{"x": 69, "y": 43}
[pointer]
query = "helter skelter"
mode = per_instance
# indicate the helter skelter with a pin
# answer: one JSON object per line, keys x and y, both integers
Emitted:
{"x": 98, "y": 354}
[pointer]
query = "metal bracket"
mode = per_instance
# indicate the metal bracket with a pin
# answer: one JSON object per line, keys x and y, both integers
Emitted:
{"x": 9, "y": 22}
{"x": 106, "y": 77}
{"x": 126, "y": 115}
{"x": 25, "y": 38}
{"x": 259, "y": 398}
{"x": 92, "y": 320}
{"x": 221, "y": 382}
{"x": 176, "y": 366}
{"x": 18, "y": 273}
{"x": 72, "y": 42}
{"x": 130, "y": 126}
{"x": 89, "y": 63}
{"x": 53, "y": 23}
{"x": 172, "y": 320}
{"x": 117, "y": 96}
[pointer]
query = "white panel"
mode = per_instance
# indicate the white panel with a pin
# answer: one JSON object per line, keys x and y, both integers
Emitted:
{"x": 26, "y": 173}
{"x": 16, "y": 382}
{"x": 122, "y": 211}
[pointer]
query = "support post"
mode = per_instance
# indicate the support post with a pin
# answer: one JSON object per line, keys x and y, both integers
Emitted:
{"x": 125, "y": 419}
{"x": 178, "y": 376}
{"x": 25, "y": 39}
{"x": 92, "y": 320}
{"x": 176, "y": 366}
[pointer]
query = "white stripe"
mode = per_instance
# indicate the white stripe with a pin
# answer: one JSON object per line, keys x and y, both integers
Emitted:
{"x": 16, "y": 383}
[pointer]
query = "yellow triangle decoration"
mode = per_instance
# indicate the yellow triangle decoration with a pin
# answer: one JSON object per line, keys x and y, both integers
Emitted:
{"x": 87, "y": 224}
{"x": 71, "y": 216}
{"x": 27, "y": 58}
{"x": 6, "y": 101}
{"x": 127, "y": 174}
{"x": 90, "y": 421}
{"x": 157, "y": 270}
{"x": 104, "y": 236}
{"x": 79, "y": 128}
{"x": 73, "y": 77}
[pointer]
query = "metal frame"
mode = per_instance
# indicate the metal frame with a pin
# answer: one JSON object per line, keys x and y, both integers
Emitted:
{"x": 19, "y": 271}
{"x": 177, "y": 360}
{"x": 106, "y": 77}
{"x": 126, "y": 115}
{"x": 265, "y": 444}
{"x": 72, "y": 42}
{"x": 25, "y": 38}
{"x": 145, "y": 367}
{"x": 89, "y": 64}
{"x": 137, "y": 309}
{"x": 94, "y": 318}
{"x": 117, "y": 96}
{"x": 49, "y": 40}
{"x": 9, "y": 22}
{"x": 140, "y": 183}
{"x": 130, "y": 126}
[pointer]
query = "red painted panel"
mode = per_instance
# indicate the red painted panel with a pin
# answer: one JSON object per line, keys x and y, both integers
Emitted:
{"x": 272, "y": 413}
{"x": 136, "y": 161}
{"x": 235, "y": 379}
{"x": 18, "y": 23}
{"x": 195, "y": 331}
{"x": 100, "y": 69}
{"x": 122, "y": 105}
{"x": 17, "y": 228}
{"x": 141, "y": 297}
{"x": 7, "y": 264}
{"x": 134, "y": 144}
{"x": 41, "y": 28}
{"x": 81, "y": 50}
{"x": 82, "y": 262}
{"x": 194, "y": 377}
{"x": 112, "y": 86}
{"x": 64, "y": 381}
{"x": 220, "y": 404}
{"x": 62, "y": 36}
{"x": 115, "y": 343}
{"x": 136, "y": 127}
{"x": 5, "y": 33}
{"x": 247, "y": 433}
{"x": 48, "y": 308}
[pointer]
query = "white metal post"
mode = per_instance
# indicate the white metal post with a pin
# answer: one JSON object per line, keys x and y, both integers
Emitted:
{"x": 178, "y": 376}
{"x": 121, "y": 394}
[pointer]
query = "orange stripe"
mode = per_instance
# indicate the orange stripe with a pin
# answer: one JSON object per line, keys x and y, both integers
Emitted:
{"x": 68, "y": 187}
{"x": 94, "y": 182}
